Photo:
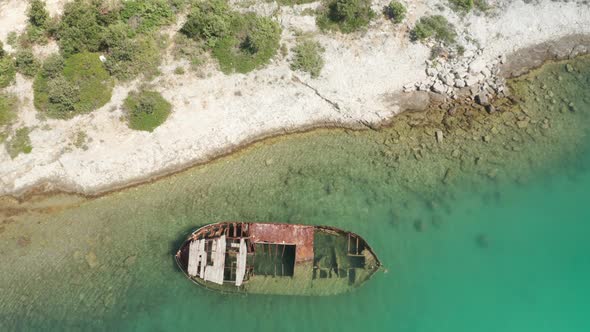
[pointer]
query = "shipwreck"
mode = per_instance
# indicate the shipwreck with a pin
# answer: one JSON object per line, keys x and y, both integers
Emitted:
{"x": 272, "y": 258}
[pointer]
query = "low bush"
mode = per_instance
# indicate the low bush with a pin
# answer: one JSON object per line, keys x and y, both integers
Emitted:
{"x": 123, "y": 31}
{"x": 26, "y": 63}
{"x": 2, "y": 51}
{"x": 146, "y": 15}
{"x": 435, "y": 26}
{"x": 240, "y": 42}
{"x": 146, "y": 110}
{"x": 82, "y": 28}
{"x": 293, "y": 2}
{"x": 481, "y": 5}
{"x": 82, "y": 86}
{"x": 7, "y": 71}
{"x": 307, "y": 57}
{"x": 253, "y": 41}
{"x": 8, "y": 105}
{"x": 209, "y": 21}
{"x": 37, "y": 14}
{"x": 396, "y": 11}
{"x": 20, "y": 143}
{"x": 130, "y": 57}
{"x": 461, "y": 5}
{"x": 345, "y": 15}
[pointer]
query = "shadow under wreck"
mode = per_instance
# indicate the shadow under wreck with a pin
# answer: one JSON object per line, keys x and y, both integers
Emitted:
{"x": 271, "y": 258}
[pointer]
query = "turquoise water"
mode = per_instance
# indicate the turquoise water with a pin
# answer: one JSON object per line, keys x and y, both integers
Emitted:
{"x": 501, "y": 247}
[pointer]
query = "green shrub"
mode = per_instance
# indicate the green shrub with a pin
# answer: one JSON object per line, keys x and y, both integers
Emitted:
{"x": 12, "y": 38}
{"x": 307, "y": 57}
{"x": 396, "y": 11}
{"x": 240, "y": 42}
{"x": 37, "y": 14}
{"x": 146, "y": 15}
{"x": 252, "y": 42}
{"x": 82, "y": 28}
{"x": 461, "y": 5}
{"x": 82, "y": 86}
{"x": 20, "y": 143}
{"x": 7, "y": 71}
{"x": 434, "y": 26}
{"x": 209, "y": 21}
{"x": 179, "y": 70}
{"x": 2, "y": 51}
{"x": 293, "y": 2}
{"x": 8, "y": 105}
{"x": 53, "y": 66}
{"x": 481, "y": 5}
{"x": 345, "y": 15}
{"x": 33, "y": 35}
{"x": 87, "y": 72}
{"x": 130, "y": 57}
{"x": 146, "y": 110}
{"x": 26, "y": 63}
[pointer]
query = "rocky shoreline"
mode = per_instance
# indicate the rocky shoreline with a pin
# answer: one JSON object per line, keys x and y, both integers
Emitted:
{"x": 469, "y": 75}
{"x": 218, "y": 115}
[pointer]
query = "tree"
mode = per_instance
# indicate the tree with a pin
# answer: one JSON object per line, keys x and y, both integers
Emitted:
{"x": 26, "y": 63}
{"x": 7, "y": 71}
{"x": 209, "y": 21}
{"x": 38, "y": 15}
{"x": 80, "y": 29}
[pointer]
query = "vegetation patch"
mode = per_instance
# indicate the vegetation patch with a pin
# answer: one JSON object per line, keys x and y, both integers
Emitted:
{"x": 129, "y": 57}
{"x": 146, "y": 110}
{"x": 461, "y": 5}
{"x": 396, "y": 11}
{"x": 80, "y": 140}
{"x": 307, "y": 57}
{"x": 80, "y": 84}
{"x": 240, "y": 42}
{"x": 19, "y": 143}
{"x": 8, "y": 104}
{"x": 481, "y": 5}
{"x": 7, "y": 71}
{"x": 293, "y": 2}
{"x": 146, "y": 15}
{"x": 435, "y": 26}
{"x": 345, "y": 15}
{"x": 189, "y": 49}
{"x": 26, "y": 63}
{"x": 124, "y": 31}
{"x": 39, "y": 21}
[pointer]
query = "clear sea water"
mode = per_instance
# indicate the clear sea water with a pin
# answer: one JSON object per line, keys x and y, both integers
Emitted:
{"x": 503, "y": 248}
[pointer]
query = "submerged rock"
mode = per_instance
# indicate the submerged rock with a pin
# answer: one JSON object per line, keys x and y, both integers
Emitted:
{"x": 482, "y": 241}
{"x": 439, "y": 136}
{"x": 129, "y": 261}
{"x": 418, "y": 225}
{"x": 91, "y": 259}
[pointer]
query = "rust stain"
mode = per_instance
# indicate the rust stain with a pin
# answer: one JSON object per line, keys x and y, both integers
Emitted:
{"x": 299, "y": 235}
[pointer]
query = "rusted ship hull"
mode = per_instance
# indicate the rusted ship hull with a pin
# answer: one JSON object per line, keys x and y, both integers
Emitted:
{"x": 272, "y": 258}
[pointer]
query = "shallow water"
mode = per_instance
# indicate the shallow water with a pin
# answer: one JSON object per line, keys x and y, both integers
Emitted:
{"x": 499, "y": 246}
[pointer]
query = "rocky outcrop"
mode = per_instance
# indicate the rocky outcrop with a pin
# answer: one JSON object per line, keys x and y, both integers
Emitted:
{"x": 465, "y": 73}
